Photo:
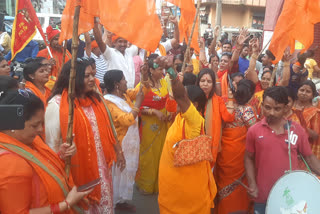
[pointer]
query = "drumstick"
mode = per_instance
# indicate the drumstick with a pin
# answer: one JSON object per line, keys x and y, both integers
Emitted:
{"x": 242, "y": 184}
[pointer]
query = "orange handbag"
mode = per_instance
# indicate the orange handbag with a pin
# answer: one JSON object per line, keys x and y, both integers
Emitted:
{"x": 192, "y": 151}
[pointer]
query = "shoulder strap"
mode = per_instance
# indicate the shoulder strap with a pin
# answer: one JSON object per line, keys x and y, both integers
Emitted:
{"x": 27, "y": 155}
{"x": 184, "y": 131}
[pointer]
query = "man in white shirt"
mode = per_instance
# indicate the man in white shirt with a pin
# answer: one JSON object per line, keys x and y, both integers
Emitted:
{"x": 120, "y": 57}
{"x": 92, "y": 51}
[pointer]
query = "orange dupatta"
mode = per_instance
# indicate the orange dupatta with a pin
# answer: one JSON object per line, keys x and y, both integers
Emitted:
{"x": 55, "y": 182}
{"x": 224, "y": 85}
{"x": 38, "y": 93}
{"x": 85, "y": 161}
{"x": 215, "y": 112}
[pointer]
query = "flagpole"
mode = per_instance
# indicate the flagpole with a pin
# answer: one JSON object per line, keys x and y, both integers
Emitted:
{"x": 71, "y": 89}
{"x": 64, "y": 52}
{"x": 190, "y": 37}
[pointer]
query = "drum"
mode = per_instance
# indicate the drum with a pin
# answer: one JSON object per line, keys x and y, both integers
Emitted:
{"x": 296, "y": 192}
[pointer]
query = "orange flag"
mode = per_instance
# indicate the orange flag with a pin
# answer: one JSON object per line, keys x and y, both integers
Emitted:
{"x": 296, "y": 23}
{"x": 24, "y": 26}
{"x": 133, "y": 20}
{"x": 188, "y": 12}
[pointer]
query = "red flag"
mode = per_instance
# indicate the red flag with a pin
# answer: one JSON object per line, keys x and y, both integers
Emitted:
{"x": 24, "y": 26}
{"x": 133, "y": 20}
{"x": 296, "y": 23}
{"x": 188, "y": 12}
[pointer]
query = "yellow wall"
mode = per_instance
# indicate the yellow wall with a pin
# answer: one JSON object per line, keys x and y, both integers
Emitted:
{"x": 234, "y": 15}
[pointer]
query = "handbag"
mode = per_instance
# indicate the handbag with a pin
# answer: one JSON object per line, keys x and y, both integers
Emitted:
{"x": 192, "y": 151}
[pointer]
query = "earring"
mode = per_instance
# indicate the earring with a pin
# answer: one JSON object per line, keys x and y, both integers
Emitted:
{"x": 12, "y": 131}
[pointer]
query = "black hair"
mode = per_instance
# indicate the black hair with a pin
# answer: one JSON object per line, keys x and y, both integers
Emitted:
{"x": 213, "y": 56}
{"x": 310, "y": 53}
{"x": 213, "y": 77}
{"x": 270, "y": 55}
{"x": 302, "y": 58}
{"x": 2, "y": 58}
{"x": 196, "y": 94}
{"x": 245, "y": 90}
{"x": 8, "y": 83}
{"x": 189, "y": 79}
{"x": 151, "y": 59}
{"x": 270, "y": 67}
{"x": 111, "y": 78}
{"x": 245, "y": 46}
{"x": 227, "y": 42}
{"x": 32, "y": 65}
{"x": 237, "y": 74}
{"x": 31, "y": 103}
{"x": 277, "y": 93}
{"x": 63, "y": 79}
{"x": 178, "y": 56}
{"x": 312, "y": 86}
{"x": 291, "y": 93}
{"x": 228, "y": 54}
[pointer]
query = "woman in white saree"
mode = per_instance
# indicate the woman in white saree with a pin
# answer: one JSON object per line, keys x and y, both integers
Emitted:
{"x": 125, "y": 117}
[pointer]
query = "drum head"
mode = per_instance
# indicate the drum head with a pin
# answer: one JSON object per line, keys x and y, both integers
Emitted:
{"x": 297, "y": 192}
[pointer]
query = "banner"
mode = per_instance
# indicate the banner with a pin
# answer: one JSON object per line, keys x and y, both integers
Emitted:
{"x": 24, "y": 26}
{"x": 133, "y": 20}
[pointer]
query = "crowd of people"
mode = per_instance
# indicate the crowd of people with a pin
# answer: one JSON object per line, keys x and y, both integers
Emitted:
{"x": 135, "y": 111}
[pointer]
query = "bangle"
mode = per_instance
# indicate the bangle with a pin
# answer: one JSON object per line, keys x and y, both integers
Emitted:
{"x": 55, "y": 209}
{"x": 254, "y": 56}
{"x": 68, "y": 205}
{"x": 230, "y": 107}
{"x": 286, "y": 64}
{"x": 218, "y": 82}
{"x": 136, "y": 109}
{"x": 150, "y": 111}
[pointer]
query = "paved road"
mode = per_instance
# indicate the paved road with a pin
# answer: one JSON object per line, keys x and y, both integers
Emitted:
{"x": 144, "y": 204}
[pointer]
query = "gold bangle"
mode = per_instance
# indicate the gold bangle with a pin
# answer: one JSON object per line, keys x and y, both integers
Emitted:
{"x": 230, "y": 107}
{"x": 150, "y": 112}
{"x": 136, "y": 109}
{"x": 254, "y": 56}
{"x": 286, "y": 64}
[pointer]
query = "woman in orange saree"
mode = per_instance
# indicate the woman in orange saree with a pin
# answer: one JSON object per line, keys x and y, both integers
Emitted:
{"x": 32, "y": 178}
{"x": 229, "y": 167}
{"x": 311, "y": 114}
{"x": 216, "y": 110}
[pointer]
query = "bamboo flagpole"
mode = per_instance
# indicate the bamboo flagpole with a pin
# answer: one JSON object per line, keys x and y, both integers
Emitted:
{"x": 71, "y": 89}
{"x": 64, "y": 53}
{"x": 190, "y": 37}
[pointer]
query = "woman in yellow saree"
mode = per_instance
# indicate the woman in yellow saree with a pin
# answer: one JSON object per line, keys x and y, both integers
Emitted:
{"x": 188, "y": 189}
{"x": 153, "y": 129}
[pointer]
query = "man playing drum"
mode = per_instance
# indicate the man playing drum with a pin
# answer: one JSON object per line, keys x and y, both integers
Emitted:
{"x": 267, "y": 158}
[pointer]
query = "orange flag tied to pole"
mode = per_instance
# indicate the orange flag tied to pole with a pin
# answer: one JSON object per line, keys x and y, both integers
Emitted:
{"x": 188, "y": 11}
{"x": 24, "y": 26}
{"x": 133, "y": 20}
{"x": 296, "y": 23}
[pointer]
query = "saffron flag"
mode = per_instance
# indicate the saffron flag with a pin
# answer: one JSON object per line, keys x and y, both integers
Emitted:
{"x": 188, "y": 12}
{"x": 133, "y": 20}
{"x": 24, "y": 26}
{"x": 296, "y": 23}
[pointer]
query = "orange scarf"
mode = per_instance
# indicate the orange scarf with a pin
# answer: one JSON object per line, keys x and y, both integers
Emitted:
{"x": 44, "y": 97}
{"x": 55, "y": 192}
{"x": 224, "y": 85}
{"x": 85, "y": 161}
{"x": 215, "y": 112}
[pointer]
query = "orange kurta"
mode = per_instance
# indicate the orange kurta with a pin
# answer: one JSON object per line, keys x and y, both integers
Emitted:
{"x": 24, "y": 184}
{"x": 187, "y": 189}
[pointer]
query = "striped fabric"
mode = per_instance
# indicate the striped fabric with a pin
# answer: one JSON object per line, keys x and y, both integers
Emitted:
{"x": 101, "y": 65}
